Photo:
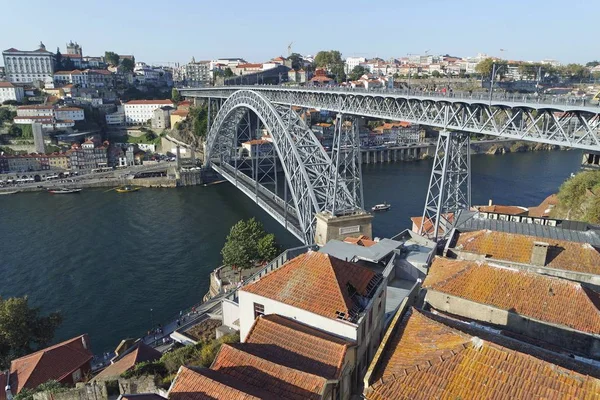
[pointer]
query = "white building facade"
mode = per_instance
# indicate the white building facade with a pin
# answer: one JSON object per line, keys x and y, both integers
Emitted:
{"x": 8, "y": 91}
{"x": 138, "y": 112}
{"x": 352, "y": 62}
{"x": 28, "y": 66}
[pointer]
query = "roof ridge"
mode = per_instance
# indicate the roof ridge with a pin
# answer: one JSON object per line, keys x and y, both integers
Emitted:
{"x": 339, "y": 290}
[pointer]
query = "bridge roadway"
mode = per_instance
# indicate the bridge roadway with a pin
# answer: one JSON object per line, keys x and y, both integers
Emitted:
{"x": 283, "y": 213}
{"x": 564, "y": 122}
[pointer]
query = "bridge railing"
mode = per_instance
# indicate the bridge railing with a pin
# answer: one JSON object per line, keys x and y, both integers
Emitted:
{"x": 478, "y": 97}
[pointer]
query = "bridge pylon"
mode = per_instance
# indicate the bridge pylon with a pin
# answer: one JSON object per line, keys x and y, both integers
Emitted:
{"x": 449, "y": 185}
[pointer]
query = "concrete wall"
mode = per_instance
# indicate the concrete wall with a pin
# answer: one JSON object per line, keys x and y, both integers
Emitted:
{"x": 231, "y": 313}
{"x": 329, "y": 227}
{"x": 578, "y": 342}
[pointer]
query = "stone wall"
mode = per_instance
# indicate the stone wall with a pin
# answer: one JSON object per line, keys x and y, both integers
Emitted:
{"x": 102, "y": 391}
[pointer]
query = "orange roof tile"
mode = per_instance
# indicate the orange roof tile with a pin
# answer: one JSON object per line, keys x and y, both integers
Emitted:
{"x": 4, "y": 84}
{"x": 181, "y": 113}
{"x": 543, "y": 210}
{"x": 570, "y": 256}
{"x": 205, "y": 384}
{"x": 296, "y": 345}
{"x": 529, "y": 294}
{"x": 362, "y": 240}
{"x": 316, "y": 282}
{"x": 280, "y": 381}
{"x": 54, "y": 362}
{"x": 141, "y": 353}
{"x": 431, "y": 360}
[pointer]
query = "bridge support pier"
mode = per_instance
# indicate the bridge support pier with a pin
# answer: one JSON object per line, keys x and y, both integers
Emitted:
{"x": 340, "y": 227}
{"x": 449, "y": 186}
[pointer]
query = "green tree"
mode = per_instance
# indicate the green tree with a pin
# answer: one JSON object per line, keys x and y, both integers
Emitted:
{"x": 23, "y": 329}
{"x": 573, "y": 71}
{"x": 175, "y": 96}
{"x": 241, "y": 248}
{"x": 228, "y": 73}
{"x": 296, "y": 60}
{"x": 150, "y": 136}
{"x": 15, "y": 130}
{"x": 6, "y": 115}
{"x": 267, "y": 247}
{"x": 67, "y": 64}
{"x": 111, "y": 58}
{"x": 332, "y": 62}
{"x": 357, "y": 72}
{"x": 486, "y": 66}
{"x": 436, "y": 74}
{"x": 592, "y": 64}
{"x": 127, "y": 64}
{"x": 58, "y": 60}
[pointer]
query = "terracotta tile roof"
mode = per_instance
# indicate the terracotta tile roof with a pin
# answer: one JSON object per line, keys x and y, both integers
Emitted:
{"x": 293, "y": 344}
{"x": 205, "y": 384}
{"x": 4, "y": 84}
{"x": 280, "y": 381}
{"x": 140, "y": 354}
{"x": 431, "y": 360}
{"x": 133, "y": 102}
{"x": 570, "y": 256}
{"x": 543, "y": 210}
{"x": 429, "y": 227}
{"x": 529, "y": 294}
{"x": 362, "y": 240}
{"x": 35, "y": 107}
{"x": 54, "y": 362}
{"x": 510, "y": 210}
{"x": 142, "y": 396}
{"x": 249, "y": 65}
{"x": 316, "y": 282}
{"x": 181, "y": 113}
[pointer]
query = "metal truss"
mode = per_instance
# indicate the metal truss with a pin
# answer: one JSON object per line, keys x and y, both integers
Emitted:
{"x": 564, "y": 125}
{"x": 449, "y": 186}
{"x": 346, "y": 164}
{"x": 307, "y": 168}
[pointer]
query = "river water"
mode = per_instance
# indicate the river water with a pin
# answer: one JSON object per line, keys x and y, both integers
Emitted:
{"x": 106, "y": 259}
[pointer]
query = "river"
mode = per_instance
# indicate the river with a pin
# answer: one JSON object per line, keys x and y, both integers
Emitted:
{"x": 106, "y": 259}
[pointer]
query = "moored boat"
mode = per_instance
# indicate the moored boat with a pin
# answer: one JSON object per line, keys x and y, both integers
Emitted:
{"x": 381, "y": 207}
{"x": 63, "y": 191}
{"x": 11, "y": 192}
{"x": 127, "y": 189}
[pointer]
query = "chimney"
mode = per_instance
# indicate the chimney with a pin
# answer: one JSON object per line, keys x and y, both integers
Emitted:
{"x": 490, "y": 202}
{"x": 539, "y": 253}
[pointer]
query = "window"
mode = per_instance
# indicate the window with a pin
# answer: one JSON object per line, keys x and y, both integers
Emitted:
{"x": 259, "y": 310}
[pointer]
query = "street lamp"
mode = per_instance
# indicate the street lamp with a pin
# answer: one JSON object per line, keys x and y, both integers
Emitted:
{"x": 152, "y": 318}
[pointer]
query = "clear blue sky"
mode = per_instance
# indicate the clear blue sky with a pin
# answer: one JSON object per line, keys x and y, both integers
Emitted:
{"x": 160, "y": 31}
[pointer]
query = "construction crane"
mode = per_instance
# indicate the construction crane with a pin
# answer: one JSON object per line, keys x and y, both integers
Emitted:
{"x": 290, "y": 49}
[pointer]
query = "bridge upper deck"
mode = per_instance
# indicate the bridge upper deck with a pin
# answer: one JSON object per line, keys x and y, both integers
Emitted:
{"x": 562, "y": 104}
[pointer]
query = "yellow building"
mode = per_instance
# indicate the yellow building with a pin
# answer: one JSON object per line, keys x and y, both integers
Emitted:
{"x": 58, "y": 161}
{"x": 178, "y": 116}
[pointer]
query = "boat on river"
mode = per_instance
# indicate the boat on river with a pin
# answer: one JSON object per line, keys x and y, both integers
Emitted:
{"x": 63, "y": 191}
{"x": 381, "y": 207}
{"x": 127, "y": 189}
{"x": 11, "y": 192}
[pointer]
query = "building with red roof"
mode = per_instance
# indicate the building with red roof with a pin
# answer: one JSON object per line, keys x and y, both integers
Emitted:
{"x": 67, "y": 362}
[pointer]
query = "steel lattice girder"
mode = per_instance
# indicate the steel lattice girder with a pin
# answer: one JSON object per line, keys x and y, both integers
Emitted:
{"x": 306, "y": 165}
{"x": 449, "y": 185}
{"x": 577, "y": 127}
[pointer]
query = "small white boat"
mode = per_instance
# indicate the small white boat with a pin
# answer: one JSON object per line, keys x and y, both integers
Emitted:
{"x": 63, "y": 191}
{"x": 11, "y": 192}
{"x": 381, "y": 207}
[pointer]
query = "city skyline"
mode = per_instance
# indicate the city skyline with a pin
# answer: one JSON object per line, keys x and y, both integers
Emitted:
{"x": 258, "y": 33}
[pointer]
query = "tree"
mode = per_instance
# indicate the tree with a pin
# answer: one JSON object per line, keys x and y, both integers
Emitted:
{"x": 22, "y": 329}
{"x": 58, "y": 60}
{"x": 436, "y": 74}
{"x": 327, "y": 59}
{"x": 592, "y": 64}
{"x": 15, "y": 130}
{"x": 111, "y": 58}
{"x": 67, "y": 64}
{"x": 228, "y": 73}
{"x": 175, "y": 96}
{"x": 267, "y": 248}
{"x": 573, "y": 71}
{"x": 6, "y": 115}
{"x": 357, "y": 72}
{"x": 296, "y": 60}
{"x": 127, "y": 64}
{"x": 485, "y": 67}
{"x": 150, "y": 136}
{"x": 242, "y": 246}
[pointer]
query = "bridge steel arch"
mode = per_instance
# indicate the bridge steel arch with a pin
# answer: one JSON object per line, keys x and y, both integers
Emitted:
{"x": 307, "y": 167}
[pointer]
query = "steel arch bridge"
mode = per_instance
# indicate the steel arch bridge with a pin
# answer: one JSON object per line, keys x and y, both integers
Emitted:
{"x": 312, "y": 179}
{"x": 519, "y": 118}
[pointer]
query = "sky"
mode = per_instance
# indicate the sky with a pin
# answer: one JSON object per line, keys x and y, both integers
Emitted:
{"x": 158, "y": 31}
